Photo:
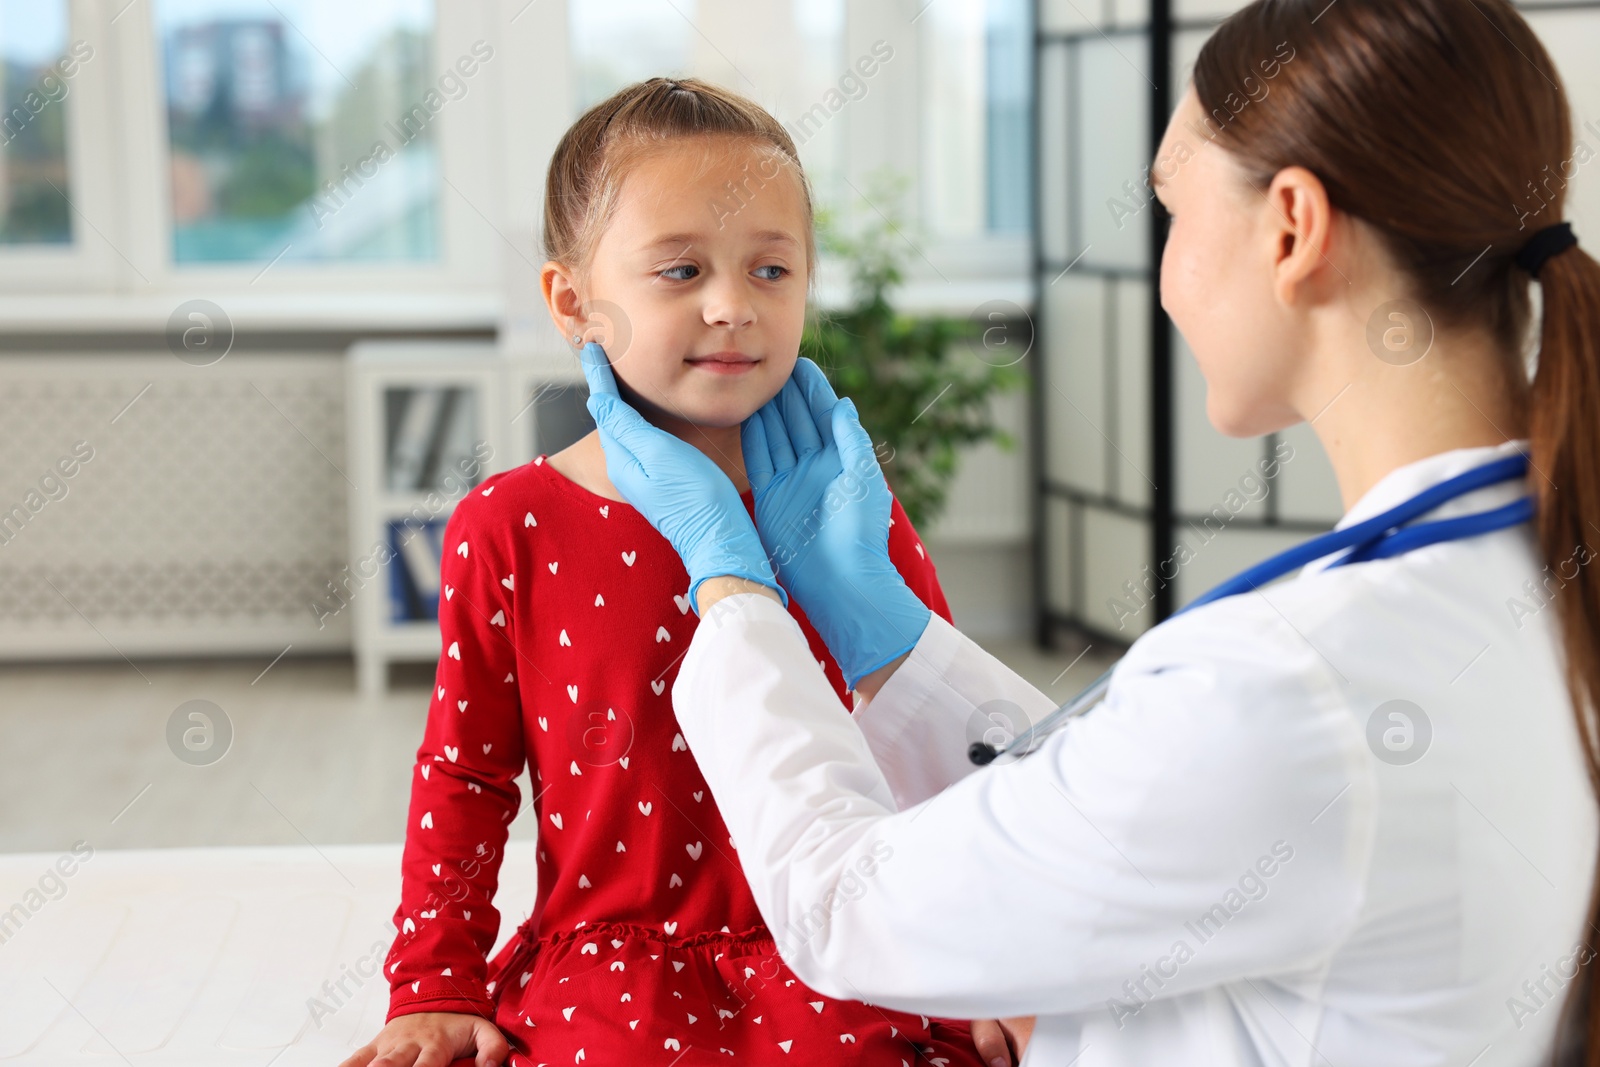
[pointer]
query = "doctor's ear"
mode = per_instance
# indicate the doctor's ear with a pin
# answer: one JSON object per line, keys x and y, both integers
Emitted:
{"x": 1300, "y": 224}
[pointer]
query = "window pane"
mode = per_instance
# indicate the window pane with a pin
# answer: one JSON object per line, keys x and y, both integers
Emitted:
{"x": 976, "y": 80}
{"x": 786, "y": 56}
{"x": 303, "y": 130}
{"x": 36, "y": 69}
{"x": 619, "y": 42}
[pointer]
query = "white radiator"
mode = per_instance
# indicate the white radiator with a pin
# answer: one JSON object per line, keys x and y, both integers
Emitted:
{"x": 209, "y": 516}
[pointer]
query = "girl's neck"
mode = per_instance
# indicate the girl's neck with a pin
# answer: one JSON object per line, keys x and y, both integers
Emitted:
{"x": 584, "y": 461}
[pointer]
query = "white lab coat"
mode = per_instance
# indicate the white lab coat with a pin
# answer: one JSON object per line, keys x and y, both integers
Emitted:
{"x": 1213, "y": 867}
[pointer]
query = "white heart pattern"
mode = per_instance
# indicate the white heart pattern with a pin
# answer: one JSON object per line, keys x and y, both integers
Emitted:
{"x": 599, "y": 601}
{"x": 450, "y": 753}
{"x": 544, "y": 724}
{"x": 461, "y": 705}
{"x": 694, "y": 850}
{"x": 555, "y": 819}
{"x": 509, "y": 581}
{"x": 659, "y": 685}
{"x": 572, "y": 691}
{"x": 605, "y": 511}
{"x": 425, "y": 768}
{"x": 682, "y": 602}
{"x": 662, "y": 634}
{"x": 455, "y": 650}
{"x": 449, "y": 591}
{"x": 461, "y": 550}
{"x": 564, "y": 640}
{"x": 499, "y": 619}
{"x": 629, "y": 557}
{"x": 528, "y": 520}
{"x": 645, "y": 807}
{"x": 427, "y": 820}
{"x": 553, "y": 565}
{"x": 679, "y": 744}
{"x": 671, "y": 927}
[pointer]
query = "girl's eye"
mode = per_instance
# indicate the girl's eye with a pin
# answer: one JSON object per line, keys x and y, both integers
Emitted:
{"x": 781, "y": 271}
{"x": 668, "y": 272}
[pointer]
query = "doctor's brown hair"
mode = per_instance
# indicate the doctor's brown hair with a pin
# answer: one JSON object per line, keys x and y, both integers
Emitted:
{"x": 1443, "y": 125}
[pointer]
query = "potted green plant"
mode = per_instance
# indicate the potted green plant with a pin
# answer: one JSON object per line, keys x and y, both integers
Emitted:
{"x": 922, "y": 393}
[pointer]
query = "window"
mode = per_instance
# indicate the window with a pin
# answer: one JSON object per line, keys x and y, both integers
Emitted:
{"x": 975, "y": 90}
{"x": 36, "y": 69}
{"x": 301, "y": 130}
{"x": 791, "y": 58}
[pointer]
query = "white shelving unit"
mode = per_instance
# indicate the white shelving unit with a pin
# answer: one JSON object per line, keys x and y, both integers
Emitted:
{"x": 428, "y": 421}
{"x": 424, "y": 427}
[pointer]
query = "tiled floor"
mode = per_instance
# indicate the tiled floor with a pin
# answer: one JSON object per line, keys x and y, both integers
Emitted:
{"x": 309, "y": 762}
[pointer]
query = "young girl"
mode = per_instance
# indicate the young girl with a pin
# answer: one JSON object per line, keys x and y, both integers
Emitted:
{"x": 678, "y": 217}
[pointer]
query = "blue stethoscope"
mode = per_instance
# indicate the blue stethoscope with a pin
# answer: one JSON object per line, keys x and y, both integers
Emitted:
{"x": 1379, "y": 537}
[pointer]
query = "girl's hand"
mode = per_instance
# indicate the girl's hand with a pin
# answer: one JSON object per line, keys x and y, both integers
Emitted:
{"x": 433, "y": 1039}
{"x": 1001, "y": 1042}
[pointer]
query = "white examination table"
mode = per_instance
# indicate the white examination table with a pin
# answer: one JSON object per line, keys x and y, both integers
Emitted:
{"x": 207, "y": 957}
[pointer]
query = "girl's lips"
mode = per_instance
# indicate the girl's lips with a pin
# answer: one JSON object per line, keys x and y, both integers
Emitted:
{"x": 730, "y": 363}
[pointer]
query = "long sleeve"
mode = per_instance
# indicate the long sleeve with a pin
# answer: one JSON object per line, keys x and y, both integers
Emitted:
{"x": 918, "y": 727}
{"x": 463, "y": 789}
{"x": 947, "y": 694}
{"x": 1187, "y": 801}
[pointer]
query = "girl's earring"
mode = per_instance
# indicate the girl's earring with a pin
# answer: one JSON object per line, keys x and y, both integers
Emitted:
{"x": 577, "y": 338}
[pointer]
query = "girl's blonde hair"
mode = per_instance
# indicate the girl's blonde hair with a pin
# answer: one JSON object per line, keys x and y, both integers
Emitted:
{"x": 596, "y": 154}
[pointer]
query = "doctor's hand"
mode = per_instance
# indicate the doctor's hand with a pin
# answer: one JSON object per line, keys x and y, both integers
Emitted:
{"x": 822, "y": 510}
{"x": 676, "y": 487}
{"x": 1001, "y": 1042}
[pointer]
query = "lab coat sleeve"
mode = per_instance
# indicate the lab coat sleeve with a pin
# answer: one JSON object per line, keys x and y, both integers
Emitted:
{"x": 1209, "y": 822}
{"x": 947, "y": 694}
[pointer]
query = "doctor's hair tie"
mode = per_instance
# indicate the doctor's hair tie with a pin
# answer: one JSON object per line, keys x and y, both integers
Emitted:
{"x": 1544, "y": 246}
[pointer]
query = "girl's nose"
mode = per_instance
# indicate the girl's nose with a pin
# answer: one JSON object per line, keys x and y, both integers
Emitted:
{"x": 728, "y": 305}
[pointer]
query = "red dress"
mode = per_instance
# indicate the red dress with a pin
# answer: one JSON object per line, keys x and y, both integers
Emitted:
{"x": 563, "y": 617}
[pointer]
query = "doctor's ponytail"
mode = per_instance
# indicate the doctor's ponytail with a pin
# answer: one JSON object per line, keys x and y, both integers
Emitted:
{"x": 1444, "y": 126}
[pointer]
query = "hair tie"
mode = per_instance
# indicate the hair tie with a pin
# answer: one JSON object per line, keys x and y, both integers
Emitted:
{"x": 1544, "y": 246}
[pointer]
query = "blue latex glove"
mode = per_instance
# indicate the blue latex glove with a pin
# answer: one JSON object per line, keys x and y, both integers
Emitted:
{"x": 822, "y": 510}
{"x": 676, "y": 487}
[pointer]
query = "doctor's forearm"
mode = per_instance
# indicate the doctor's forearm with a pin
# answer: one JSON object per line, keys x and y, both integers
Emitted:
{"x": 715, "y": 589}
{"x": 870, "y": 684}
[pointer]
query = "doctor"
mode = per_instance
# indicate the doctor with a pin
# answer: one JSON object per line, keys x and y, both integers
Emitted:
{"x": 1345, "y": 819}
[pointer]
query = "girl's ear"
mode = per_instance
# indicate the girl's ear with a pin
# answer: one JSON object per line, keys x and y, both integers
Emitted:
{"x": 561, "y": 296}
